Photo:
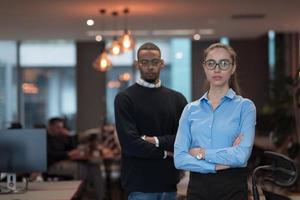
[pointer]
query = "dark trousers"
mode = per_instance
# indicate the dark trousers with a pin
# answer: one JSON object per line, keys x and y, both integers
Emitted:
{"x": 228, "y": 184}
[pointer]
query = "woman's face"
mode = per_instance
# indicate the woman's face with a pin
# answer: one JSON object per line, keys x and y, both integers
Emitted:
{"x": 218, "y": 67}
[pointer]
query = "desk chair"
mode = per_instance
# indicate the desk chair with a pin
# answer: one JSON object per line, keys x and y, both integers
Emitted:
{"x": 281, "y": 171}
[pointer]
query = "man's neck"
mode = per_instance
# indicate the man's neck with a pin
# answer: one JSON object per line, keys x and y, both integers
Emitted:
{"x": 145, "y": 83}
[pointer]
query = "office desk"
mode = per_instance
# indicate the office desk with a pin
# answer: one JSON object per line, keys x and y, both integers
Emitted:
{"x": 56, "y": 190}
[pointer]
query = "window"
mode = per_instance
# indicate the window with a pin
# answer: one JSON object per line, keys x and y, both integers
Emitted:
{"x": 48, "y": 81}
{"x": 8, "y": 83}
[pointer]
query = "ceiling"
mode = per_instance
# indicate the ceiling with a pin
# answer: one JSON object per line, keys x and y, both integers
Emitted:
{"x": 66, "y": 19}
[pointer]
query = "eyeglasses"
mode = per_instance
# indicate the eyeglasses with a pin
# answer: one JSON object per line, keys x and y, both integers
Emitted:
{"x": 153, "y": 62}
{"x": 212, "y": 64}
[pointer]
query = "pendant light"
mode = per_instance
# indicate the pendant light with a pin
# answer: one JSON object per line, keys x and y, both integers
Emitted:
{"x": 126, "y": 40}
{"x": 115, "y": 48}
{"x": 102, "y": 62}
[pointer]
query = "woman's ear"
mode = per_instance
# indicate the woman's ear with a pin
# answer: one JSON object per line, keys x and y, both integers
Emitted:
{"x": 233, "y": 69}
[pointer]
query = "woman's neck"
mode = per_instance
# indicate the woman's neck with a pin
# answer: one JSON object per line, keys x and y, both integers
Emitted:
{"x": 216, "y": 93}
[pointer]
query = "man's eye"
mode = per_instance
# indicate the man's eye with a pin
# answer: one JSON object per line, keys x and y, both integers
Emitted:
{"x": 144, "y": 61}
{"x": 155, "y": 62}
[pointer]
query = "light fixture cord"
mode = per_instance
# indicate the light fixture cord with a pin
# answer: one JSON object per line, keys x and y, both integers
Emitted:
{"x": 126, "y": 11}
{"x": 103, "y": 12}
{"x": 114, "y": 14}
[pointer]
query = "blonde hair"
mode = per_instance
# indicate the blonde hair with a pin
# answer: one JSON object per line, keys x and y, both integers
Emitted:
{"x": 233, "y": 82}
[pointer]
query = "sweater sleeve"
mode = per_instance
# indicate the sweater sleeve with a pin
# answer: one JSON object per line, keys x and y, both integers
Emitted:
{"x": 55, "y": 154}
{"x": 131, "y": 142}
{"x": 166, "y": 142}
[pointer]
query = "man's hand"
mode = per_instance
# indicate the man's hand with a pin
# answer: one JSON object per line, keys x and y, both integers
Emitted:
{"x": 76, "y": 154}
{"x": 65, "y": 131}
{"x": 150, "y": 139}
{"x": 170, "y": 154}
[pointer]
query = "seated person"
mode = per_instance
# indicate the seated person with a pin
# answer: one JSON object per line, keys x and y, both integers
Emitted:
{"x": 65, "y": 159}
{"x": 109, "y": 139}
{"x": 15, "y": 125}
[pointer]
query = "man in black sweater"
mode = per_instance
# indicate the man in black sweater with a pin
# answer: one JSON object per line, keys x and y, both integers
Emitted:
{"x": 147, "y": 116}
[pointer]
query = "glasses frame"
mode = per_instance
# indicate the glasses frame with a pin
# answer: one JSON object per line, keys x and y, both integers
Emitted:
{"x": 218, "y": 64}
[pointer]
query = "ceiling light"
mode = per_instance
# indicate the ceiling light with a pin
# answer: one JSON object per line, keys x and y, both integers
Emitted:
{"x": 103, "y": 62}
{"x": 113, "y": 84}
{"x": 125, "y": 77}
{"x": 126, "y": 40}
{"x": 98, "y": 38}
{"x": 115, "y": 48}
{"x": 197, "y": 36}
{"x": 90, "y": 22}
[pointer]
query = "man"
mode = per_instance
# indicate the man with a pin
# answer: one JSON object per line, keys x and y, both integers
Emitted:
{"x": 65, "y": 159}
{"x": 61, "y": 146}
{"x": 147, "y": 116}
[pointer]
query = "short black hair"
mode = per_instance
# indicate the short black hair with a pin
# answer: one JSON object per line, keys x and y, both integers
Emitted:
{"x": 15, "y": 125}
{"x": 54, "y": 120}
{"x": 148, "y": 46}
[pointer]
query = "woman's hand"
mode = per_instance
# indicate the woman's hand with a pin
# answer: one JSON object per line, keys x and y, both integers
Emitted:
{"x": 196, "y": 151}
{"x": 221, "y": 167}
{"x": 238, "y": 140}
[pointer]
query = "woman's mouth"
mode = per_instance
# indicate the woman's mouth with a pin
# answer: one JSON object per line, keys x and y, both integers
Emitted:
{"x": 217, "y": 78}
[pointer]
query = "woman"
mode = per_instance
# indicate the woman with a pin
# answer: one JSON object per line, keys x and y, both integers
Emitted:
{"x": 216, "y": 133}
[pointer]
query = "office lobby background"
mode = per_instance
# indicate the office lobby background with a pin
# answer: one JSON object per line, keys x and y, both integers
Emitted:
{"x": 47, "y": 52}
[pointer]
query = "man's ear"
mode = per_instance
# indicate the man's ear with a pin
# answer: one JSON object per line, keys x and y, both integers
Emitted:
{"x": 162, "y": 63}
{"x": 136, "y": 64}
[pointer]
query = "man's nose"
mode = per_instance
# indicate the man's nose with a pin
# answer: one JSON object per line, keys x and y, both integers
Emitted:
{"x": 150, "y": 67}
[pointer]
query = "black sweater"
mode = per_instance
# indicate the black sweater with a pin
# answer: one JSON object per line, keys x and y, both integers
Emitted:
{"x": 58, "y": 147}
{"x": 153, "y": 112}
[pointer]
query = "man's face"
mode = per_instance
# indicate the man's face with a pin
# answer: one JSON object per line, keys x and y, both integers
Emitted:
{"x": 56, "y": 128}
{"x": 149, "y": 63}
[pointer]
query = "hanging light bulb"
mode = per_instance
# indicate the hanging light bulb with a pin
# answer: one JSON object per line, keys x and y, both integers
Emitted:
{"x": 102, "y": 63}
{"x": 115, "y": 48}
{"x": 126, "y": 40}
{"x": 100, "y": 37}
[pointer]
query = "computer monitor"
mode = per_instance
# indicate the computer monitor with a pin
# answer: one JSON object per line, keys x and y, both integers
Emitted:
{"x": 22, "y": 151}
